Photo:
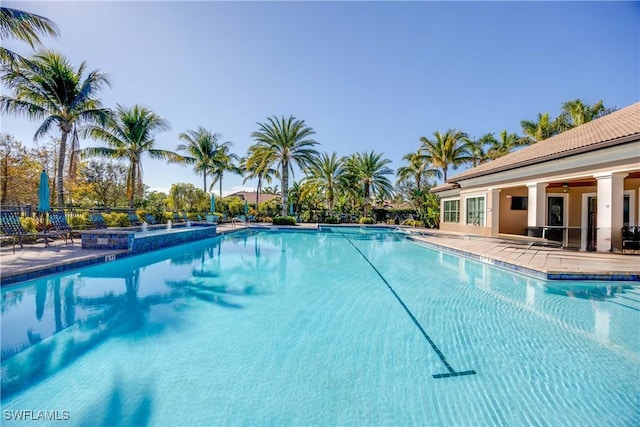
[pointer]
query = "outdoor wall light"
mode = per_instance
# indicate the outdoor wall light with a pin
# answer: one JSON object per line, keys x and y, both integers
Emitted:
{"x": 565, "y": 187}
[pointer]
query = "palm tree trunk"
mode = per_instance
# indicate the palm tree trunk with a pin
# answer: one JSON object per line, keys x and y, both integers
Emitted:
{"x": 204, "y": 175}
{"x": 220, "y": 186}
{"x": 258, "y": 191}
{"x": 132, "y": 181}
{"x": 60, "y": 174}
{"x": 285, "y": 188}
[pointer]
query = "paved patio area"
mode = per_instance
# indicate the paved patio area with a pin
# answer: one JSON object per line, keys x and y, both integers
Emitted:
{"x": 550, "y": 262}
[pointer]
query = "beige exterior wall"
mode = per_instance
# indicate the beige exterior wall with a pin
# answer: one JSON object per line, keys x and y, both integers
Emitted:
{"x": 512, "y": 221}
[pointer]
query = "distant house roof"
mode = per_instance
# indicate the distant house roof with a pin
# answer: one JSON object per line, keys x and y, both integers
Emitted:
{"x": 250, "y": 196}
{"x": 619, "y": 127}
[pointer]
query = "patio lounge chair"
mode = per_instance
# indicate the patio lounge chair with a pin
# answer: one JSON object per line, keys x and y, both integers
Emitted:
{"x": 212, "y": 219}
{"x": 59, "y": 222}
{"x": 11, "y": 226}
{"x": 149, "y": 219}
{"x": 97, "y": 220}
{"x": 177, "y": 217}
{"x": 133, "y": 219}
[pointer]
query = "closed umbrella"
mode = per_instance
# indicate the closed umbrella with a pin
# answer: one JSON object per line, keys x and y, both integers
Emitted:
{"x": 213, "y": 203}
{"x": 44, "y": 205}
{"x": 246, "y": 207}
{"x": 291, "y": 208}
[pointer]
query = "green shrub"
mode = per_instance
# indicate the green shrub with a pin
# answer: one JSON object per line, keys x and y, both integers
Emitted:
{"x": 284, "y": 220}
{"x": 80, "y": 222}
{"x": 413, "y": 223}
{"x": 332, "y": 220}
{"x": 116, "y": 219}
{"x": 29, "y": 224}
{"x": 367, "y": 220}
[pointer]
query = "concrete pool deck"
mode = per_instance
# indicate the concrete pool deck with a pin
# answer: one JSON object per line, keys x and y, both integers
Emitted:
{"x": 542, "y": 262}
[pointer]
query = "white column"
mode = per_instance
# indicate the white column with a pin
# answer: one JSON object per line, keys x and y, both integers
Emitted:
{"x": 536, "y": 202}
{"x": 609, "y": 217}
{"x": 493, "y": 211}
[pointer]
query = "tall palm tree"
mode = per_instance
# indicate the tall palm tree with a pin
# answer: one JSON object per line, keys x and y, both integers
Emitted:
{"x": 24, "y": 26}
{"x": 223, "y": 160}
{"x": 130, "y": 134}
{"x": 369, "y": 170}
{"x": 257, "y": 165}
{"x": 199, "y": 145}
{"x": 505, "y": 144}
{"x": 578, "y": 112}
{"x": 325, "y": 175}
{"x": 542, "y": 128}
{"x": 447, "y": 149}
{"x": 285, "y": 142}
{"x": 48, "y": 88}
{"x": 417, "y": 169}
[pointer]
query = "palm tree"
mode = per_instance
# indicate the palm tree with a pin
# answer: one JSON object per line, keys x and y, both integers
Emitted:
{"x": 578, "y": 112}
{"x": 285, "y": 142}
{"x": 199, "y": 145}
{"x": 448, "y": 149}
{"x": 325, "y": 175}
{"x": 505, "y": 145}
{"x": 477, "y": 150}
{"x": 23, "y": 26}
{"x": 542, "y": 128}
{"x": 257, "y": 165}
{"x": 223, "y": 160}
{"x": 48, "y": 88}
{"x": 417, "y": 169}
{"x": 130, "y": 134}
{"x": 368, "y": 170}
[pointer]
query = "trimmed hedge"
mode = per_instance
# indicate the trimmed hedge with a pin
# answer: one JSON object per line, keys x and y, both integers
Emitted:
{"x": 367, "y": 220}
{"x": 331, "y": 220}
{"x": 284, "y": 220}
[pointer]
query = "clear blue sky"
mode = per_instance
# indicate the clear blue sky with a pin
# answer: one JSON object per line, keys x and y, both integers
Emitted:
{"x": 365, "y": 75}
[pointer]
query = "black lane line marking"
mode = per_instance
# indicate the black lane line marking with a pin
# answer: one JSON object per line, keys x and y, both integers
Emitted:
{"x": 452, "y": 372}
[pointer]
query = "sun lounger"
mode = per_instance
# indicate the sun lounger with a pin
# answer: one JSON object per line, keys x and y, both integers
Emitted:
{"x": 133, "y": 219}
{"x": 149, "y": 219}
{"x": 11, "y": 226}
{"x": 212, "y": 219}
{"x": 59, "y": 222}
{"x": 97, "y": 220}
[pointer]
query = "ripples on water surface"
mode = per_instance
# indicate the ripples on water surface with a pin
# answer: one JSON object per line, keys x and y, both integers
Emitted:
{"x": 299, "y": 328}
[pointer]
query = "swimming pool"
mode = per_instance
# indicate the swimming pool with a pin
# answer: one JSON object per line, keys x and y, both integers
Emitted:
{"x": 346, "y": 325}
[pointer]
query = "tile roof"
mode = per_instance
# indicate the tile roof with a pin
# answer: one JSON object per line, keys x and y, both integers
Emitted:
{"x": 612, "y": 129}
{"x": 250, "y": 196}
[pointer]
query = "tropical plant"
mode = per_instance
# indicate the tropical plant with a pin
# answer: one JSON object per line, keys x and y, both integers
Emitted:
{"x": 199, "y": 146}
{"x": 368, "y": 170}
{"x": 223, "y": 161}
{"x": 285, "y": 143}
{"x": 324, "y": 174}
{"x": 24, "y": 26}
{"x": 576, "y": 112}
{"x": 257, "y": 165}
{"x": 417, "y": 169}
{"x": 504, "y": 145}
{"x": 446, "y": 149}
{"x": 51, "y": 90}
{"x": 130, "y": 134}
{"x": 541, "y": 128}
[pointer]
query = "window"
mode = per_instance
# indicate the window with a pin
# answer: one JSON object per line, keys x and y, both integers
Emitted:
{"x": 519, "y": 203}
{"x": 475, "y": 210}
{"x": 452, "y": 211}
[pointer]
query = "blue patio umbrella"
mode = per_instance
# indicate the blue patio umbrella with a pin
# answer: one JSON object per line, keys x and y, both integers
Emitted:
{"x": 43, "y": 193}
{"x": 213, "y": 203}
{"x": 246, "y": 207}
{"x": 44, "y": 205}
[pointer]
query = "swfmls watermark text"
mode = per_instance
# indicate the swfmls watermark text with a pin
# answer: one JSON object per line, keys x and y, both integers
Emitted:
{"x": 33, "y": 415}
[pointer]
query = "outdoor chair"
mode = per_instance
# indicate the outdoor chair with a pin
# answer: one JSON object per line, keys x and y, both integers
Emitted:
{"x": 11, "y": 226}
{"x": 133, "y": 219}
{"x": 185, "y": 217}
{"x": 97, "y": 220}
{"x": 149, "y": 219}
{"x": 177, "y": 217}
{"x": 59, "y": 222}
{"x": 212, "y": 219}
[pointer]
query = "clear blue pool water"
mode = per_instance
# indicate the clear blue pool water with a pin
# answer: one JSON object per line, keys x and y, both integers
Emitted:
{"x": 347, "y": 326}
